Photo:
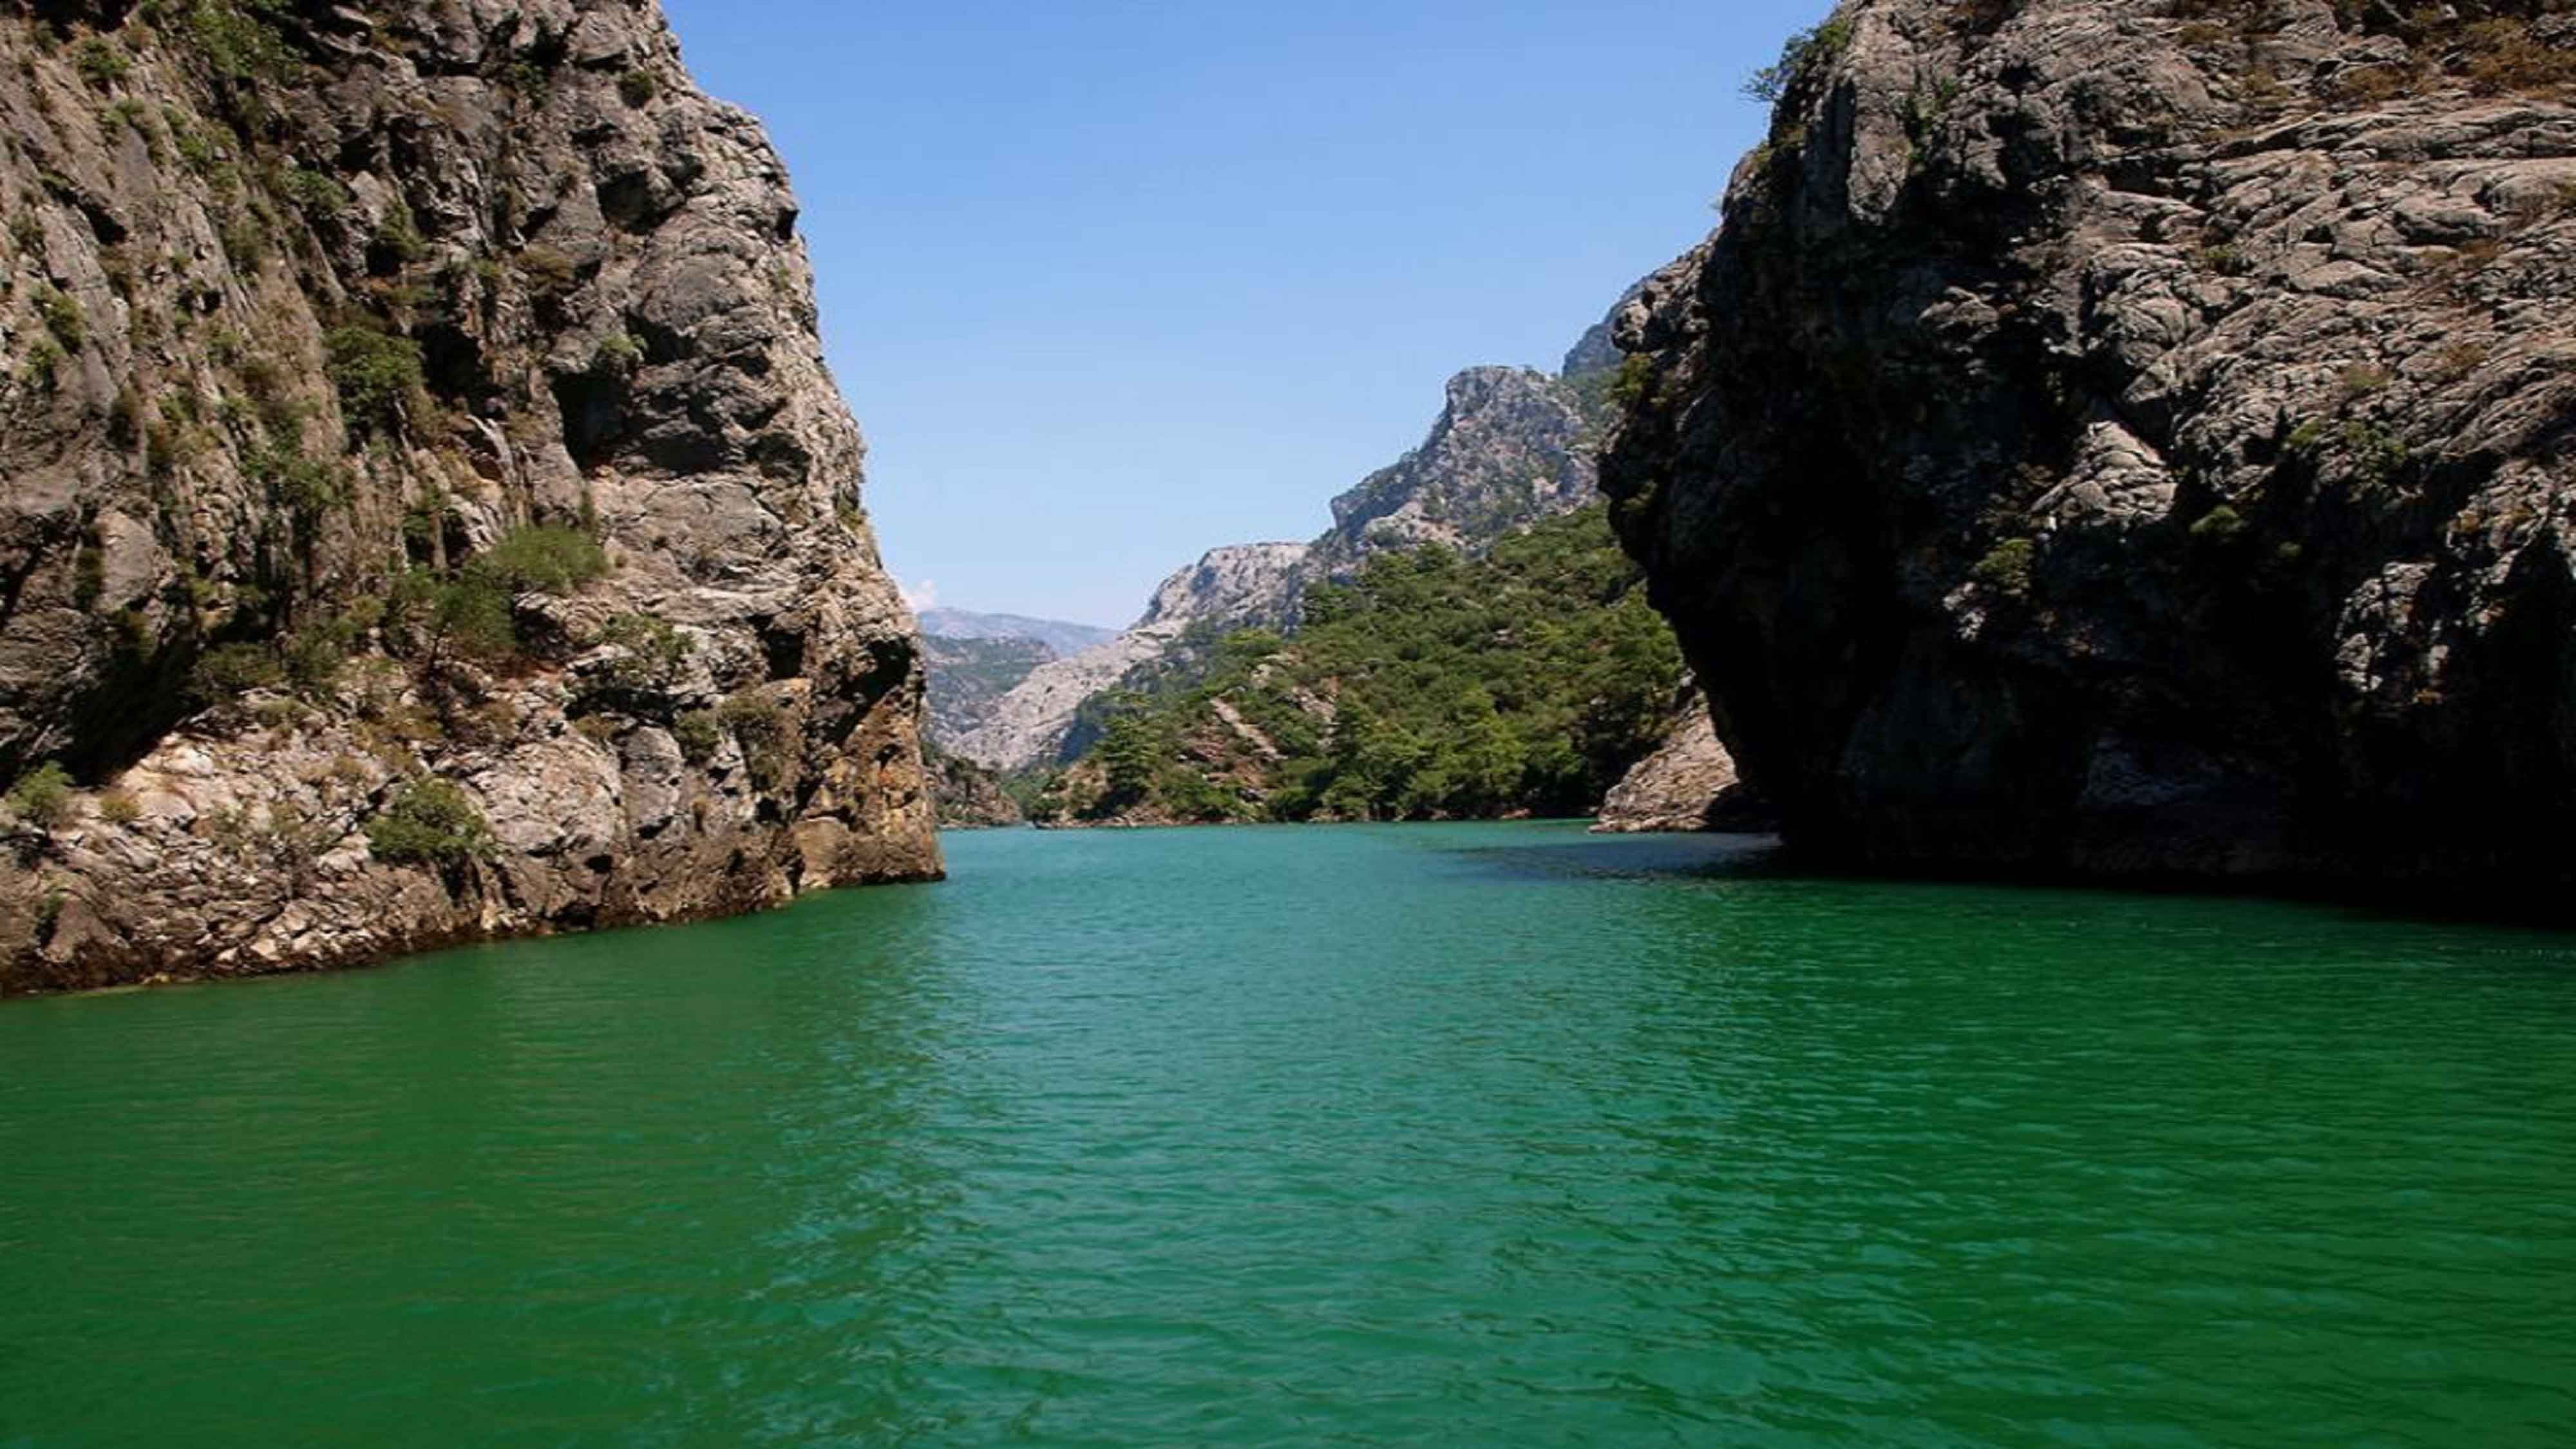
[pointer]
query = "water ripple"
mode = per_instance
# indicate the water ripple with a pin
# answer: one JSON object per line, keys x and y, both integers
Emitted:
{"x": 1443, "y": 1135}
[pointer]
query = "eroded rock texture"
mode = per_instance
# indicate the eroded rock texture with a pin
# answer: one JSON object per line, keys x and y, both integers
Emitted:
{"x": 2133, "y": 437}
{"x": 307, "y": 309}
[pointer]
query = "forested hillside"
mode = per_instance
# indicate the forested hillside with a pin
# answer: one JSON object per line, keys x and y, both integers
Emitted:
{"x": 1431, "y": 686}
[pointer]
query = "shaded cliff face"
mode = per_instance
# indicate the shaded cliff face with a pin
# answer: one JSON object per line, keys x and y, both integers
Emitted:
{"x": 2109, "y": 439}
{"x": 400, "y": 400}
{"x": 968, "y": 796}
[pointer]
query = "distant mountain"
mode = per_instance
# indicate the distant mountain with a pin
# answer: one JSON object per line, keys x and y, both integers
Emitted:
{"x": 1247, "y": 583}
{"x": 1512, "y": 446}
{"x": 1063, "y": 638}
{"x": 966, "y": 676}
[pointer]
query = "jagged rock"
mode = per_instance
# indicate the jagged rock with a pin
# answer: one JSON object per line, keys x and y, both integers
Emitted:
{"x": 2106, "y": 439}
{"x": 218, "y": 211}
{"x": 1506, "y": 451}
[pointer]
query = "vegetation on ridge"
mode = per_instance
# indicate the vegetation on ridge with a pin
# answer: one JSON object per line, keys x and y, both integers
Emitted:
{"x": 1431, "y": 686}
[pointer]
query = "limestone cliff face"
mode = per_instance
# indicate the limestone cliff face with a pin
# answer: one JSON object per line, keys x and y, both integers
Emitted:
{"x": 320, "y": 323}
{"x": 2123, "y": 437}
{"x": 966, "y": 678}
{"x": 1689, "y": 783}
{"x": 1507, "y": 450}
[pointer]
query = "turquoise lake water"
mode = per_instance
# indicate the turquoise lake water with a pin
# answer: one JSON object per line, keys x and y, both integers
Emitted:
{"x": 1441, "y": 1135}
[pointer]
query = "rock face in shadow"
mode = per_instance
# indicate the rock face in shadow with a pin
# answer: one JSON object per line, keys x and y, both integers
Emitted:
{"x": 309, "y": 311}
{"x": 2111, "y": 441}
{"x": 967, "y": 794}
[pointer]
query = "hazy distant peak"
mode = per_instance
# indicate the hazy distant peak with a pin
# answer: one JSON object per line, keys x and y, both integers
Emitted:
{"x": 1062, "y": 637}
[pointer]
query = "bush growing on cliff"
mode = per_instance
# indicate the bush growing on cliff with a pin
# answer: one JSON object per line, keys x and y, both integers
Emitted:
{"x": 63, "y": 317}
{"x": 100, "y": 63}
{"x": 698, "y": 735}
{"x": 43, "y": 798}
{"x": 1802, "y": 57}
{"x": 228, "y": 670}
{"x": 378, "y": 375}
{"x": 435, "y": 618}
{"x": 541, "y": 558}
{"x": 237, "y": 39}
{"x": 2006, "y": 567}
{"x": 655, "y": 649}
{"x": 471, "y": 613}
{"x": 430, "y": 822}
{"x": 763, "y": 727}
{"x": 316, "y": 193}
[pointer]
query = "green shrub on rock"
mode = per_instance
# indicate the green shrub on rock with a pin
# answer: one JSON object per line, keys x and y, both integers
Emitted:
{"x": 379, "y": 376}
{"x": 430, "y": 822}
{"x": 2006, "y": 567}
{"x": 541, "y": 559}
{"x": 43, "y": 798}
{"x": 234, "y": 669}
{"x": 698, "y": 734}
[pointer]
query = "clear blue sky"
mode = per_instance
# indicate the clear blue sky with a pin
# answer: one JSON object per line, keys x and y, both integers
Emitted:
{"x": 1109, "y": 284}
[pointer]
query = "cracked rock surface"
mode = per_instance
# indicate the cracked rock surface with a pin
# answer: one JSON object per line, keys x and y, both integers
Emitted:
{"x": 219, "y": 217}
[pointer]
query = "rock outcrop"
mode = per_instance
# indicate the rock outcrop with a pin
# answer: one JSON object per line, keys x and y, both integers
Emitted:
{"x": 425, "y": 510}
{"x": 2132, "y": 438}
{"x": 1680, "y": 786}
{"x": 1507, "y": 450}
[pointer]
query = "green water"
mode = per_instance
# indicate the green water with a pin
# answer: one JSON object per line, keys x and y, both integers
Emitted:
{"x": 1480, "y": 1135}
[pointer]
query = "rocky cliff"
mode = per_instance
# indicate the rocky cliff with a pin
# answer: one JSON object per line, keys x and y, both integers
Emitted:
{"x": 424, "y": 509}
{"x": 1509, "y": 448}
{"x": 2134, "y": 437}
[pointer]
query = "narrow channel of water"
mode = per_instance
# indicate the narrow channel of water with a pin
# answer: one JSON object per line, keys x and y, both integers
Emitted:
{"x": 1404, "y": 1135}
